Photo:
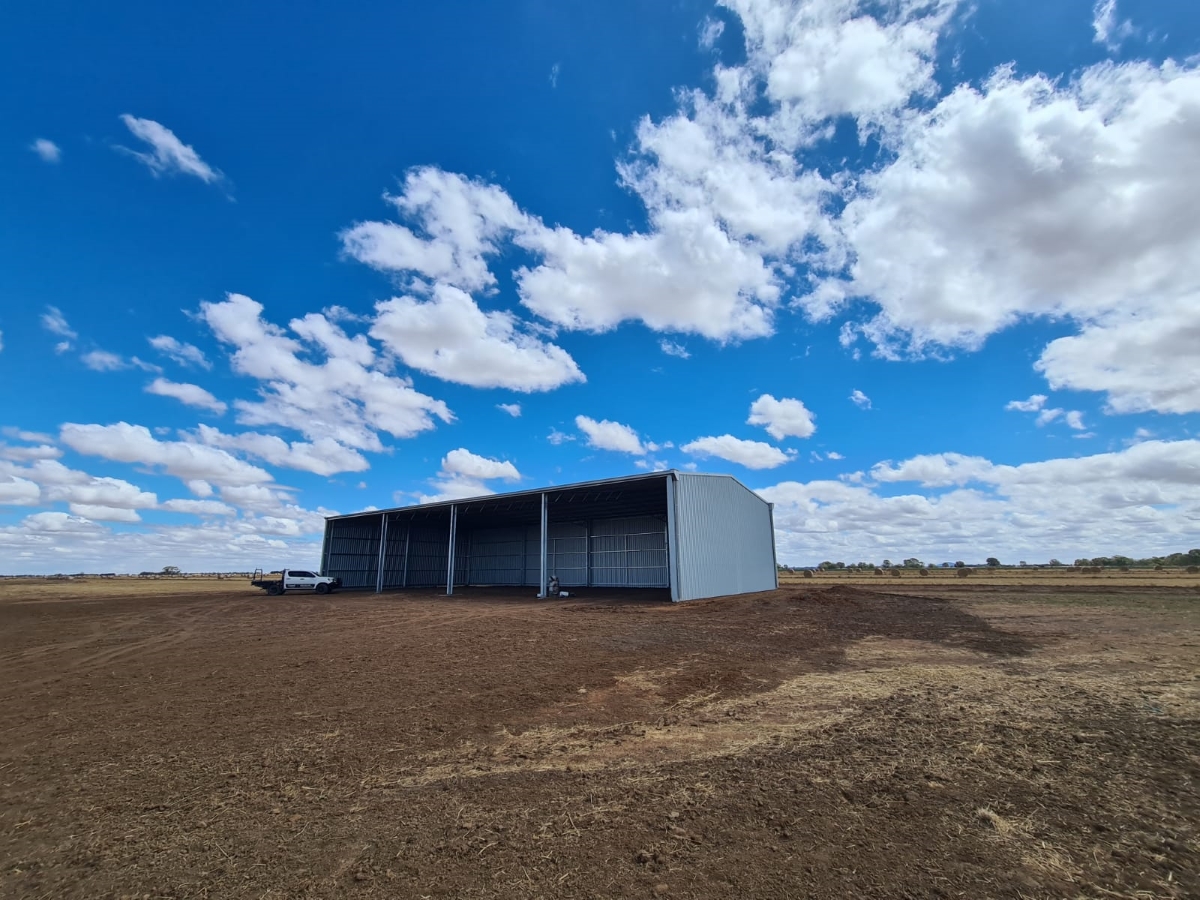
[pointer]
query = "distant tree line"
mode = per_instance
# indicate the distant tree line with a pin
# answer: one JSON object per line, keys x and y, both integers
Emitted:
{"x": 1174, "y": 560}
{"x": 1191, "y": 558}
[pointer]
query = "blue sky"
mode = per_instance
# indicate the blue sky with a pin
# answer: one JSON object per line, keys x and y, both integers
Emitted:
{"x": 924, "y": 274}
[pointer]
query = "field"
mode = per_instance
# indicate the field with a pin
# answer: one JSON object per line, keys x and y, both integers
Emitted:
{"x": 870, "y": 737}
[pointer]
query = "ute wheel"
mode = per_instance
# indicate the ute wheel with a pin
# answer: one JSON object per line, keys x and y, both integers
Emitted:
{"x": 276, "y": 590}
{"x": 322, "y": 588}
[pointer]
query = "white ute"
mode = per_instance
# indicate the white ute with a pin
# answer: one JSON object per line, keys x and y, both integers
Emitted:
{"x": 295, "y": 580}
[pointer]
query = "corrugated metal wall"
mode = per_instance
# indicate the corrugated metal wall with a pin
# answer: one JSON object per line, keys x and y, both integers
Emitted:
{"x": 566, "y": 549}
{"x": 513, "y": 555}
{"x": 428, "y": 550}
{"x": 497, "y": 556}
{"x": 629, "y": 552}
{"x": 626, "y": 552}
{"x": 725, "y": 538}
{"x": 353, "y": 551}
{"x": 393, "y": 562}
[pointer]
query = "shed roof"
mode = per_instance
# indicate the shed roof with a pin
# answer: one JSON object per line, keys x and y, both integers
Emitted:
{"x": 623, "y": 495}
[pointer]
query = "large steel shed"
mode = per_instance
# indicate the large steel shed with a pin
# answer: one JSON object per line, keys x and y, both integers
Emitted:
{"x": 698, "y": 535}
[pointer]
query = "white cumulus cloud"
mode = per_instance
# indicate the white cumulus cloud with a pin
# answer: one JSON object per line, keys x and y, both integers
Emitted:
{"x": 1139, "y": 501}
{"x": 189, "y": 394}
{"x": 347, "y": 396}
{"x": 1030, "y": 197}
{"x": 751, "y": 454}
{"x": 464, "y": 474}
{"x": 188, "y": 461}
{"x": 450, "y": 337}
{"x": 606, "y": 435}
{"x": 1033, "y": 404}
{"x": 782, "y": 418}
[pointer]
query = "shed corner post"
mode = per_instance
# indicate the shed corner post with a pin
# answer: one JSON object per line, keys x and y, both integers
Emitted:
{"x": 774, "y": 557}
{"x": 326, "y": 546}
{"x": 383, "y": 522}
{"x": 450, "y": 559}
{"x": 672, "y": 541}
{"x": 542, "y": 593}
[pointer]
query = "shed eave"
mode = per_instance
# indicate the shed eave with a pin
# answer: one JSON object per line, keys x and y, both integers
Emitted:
{"x": 648, "y": 477}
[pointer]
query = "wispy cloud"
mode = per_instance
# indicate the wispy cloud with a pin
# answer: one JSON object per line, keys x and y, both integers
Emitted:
{"x": 554, "y": 70}
{"x": 710, "y": 30}
{"x": 673, "y": 348}
{"x": 861, "y": 400}
{"x": 167, "y": 154}
{"x": 103, "y": 361}
{"x": 1033, "y": 404}
{"x": 48, "y": 150}
{"x": 189, "y": 394}
{"x": 513, "y": 409}
{"x": 1109, "y": 32}
{"x": 184, "y": 354}
{"x": 56, "y": 323}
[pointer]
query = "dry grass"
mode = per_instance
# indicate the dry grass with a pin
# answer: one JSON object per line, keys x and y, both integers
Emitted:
{"x": 37, "y": 590}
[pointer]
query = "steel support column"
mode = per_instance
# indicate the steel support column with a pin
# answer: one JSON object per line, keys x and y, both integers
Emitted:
{"x": 382, "y": 553}
{"x": 326, "y": 547}
{"x": 545, "y": 533}
{"x": 453, "y": 538}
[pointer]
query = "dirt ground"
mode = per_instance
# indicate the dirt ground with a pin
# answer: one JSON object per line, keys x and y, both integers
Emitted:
{"x": 176, "y": 739}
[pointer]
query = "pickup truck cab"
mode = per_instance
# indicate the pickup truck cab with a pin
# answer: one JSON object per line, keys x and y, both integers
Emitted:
{"x": 296, "y": 580}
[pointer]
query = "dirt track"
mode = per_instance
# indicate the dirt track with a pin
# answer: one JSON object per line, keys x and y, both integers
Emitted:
{"x": 812, "y": 742}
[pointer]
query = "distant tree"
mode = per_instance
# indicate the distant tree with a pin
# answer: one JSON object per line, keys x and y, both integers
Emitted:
{"x": 887, "y": 564}
{"x": 959, "y": 564}
{"x": 1055, "y": 562}
{"x": 913, "y": 563}
{"x": 992, "y": 561}
{"x": 1082, "y": 562}
{"x": 170, "y": 570}
{"x": 1022, "y": 564}
{"x": 945, "y": 565}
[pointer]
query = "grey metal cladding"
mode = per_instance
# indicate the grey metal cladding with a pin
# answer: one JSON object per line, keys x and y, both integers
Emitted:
{"x": 726, "y": 542}
{"x": 629, "y": 552}
{"x": 353, "y": 551}
{"x": 394, "y": 555}
{"x": 497, "y": 556}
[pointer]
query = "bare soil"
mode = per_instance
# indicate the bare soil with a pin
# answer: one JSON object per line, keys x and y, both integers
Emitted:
{"x": 177, "y": 740}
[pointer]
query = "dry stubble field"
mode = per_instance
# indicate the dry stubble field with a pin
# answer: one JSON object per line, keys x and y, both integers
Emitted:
{"x": 902, "y": 738}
